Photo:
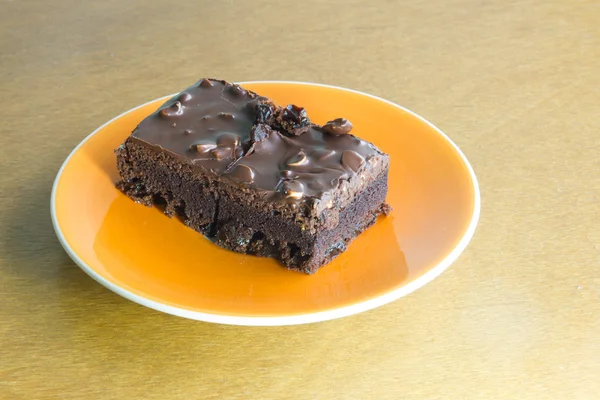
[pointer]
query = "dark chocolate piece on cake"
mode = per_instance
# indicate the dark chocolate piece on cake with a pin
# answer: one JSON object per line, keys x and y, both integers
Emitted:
{"x": 255, "y": 177}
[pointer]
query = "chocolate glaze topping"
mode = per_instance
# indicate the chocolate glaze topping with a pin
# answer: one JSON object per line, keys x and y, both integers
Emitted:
{"x": 246, "y": 139}
{"x": 208, "y": 123}
{"x": 306, "y": 165}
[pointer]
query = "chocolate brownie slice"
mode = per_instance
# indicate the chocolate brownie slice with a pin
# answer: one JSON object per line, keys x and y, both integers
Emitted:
{"x": 255, "y": 177}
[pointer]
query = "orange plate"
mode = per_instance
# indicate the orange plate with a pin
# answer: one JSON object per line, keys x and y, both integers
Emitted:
{"x": 144, "y": 256}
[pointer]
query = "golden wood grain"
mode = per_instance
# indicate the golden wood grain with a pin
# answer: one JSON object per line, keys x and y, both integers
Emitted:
{"x": 514, "y": 83}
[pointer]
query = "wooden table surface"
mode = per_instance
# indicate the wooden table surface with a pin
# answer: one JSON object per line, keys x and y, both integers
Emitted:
{"x": 516, "y": 84}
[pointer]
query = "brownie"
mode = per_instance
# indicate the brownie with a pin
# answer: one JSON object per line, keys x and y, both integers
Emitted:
{"x": 255, "y": 177}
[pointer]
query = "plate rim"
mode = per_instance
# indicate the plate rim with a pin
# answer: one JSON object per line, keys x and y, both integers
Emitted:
{"x": 318, "y": 316}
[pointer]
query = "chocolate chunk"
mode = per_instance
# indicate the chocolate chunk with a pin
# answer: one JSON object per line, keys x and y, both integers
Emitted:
{"x": 242, "y": 173}
{"x": 288, "y": 174}
{"x": 184, "y": 97}
{"x": 294, "y": 120}
{"x": 203, "y": 147}
{"x": 228, "y": 139}
{"x": 297, "y": 159}
{"x": 294, "y": 114}
{"x": 293, "y": 189}
{"x": 173, "y": 110}
{"x": 352, "y": 160}
{"x": 338, "y": 126}
{"x": 221, "y": 153}
{"x": 258, "y": 133}
{"x": 236, "y": 90}
{"x": 263, "y": 112}
{"x": 187, "y": 131}
{"x": 205, "y": 83}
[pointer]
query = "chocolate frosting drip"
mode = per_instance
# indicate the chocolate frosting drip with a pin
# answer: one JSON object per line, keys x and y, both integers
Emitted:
{"x": 236, "y": 134}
